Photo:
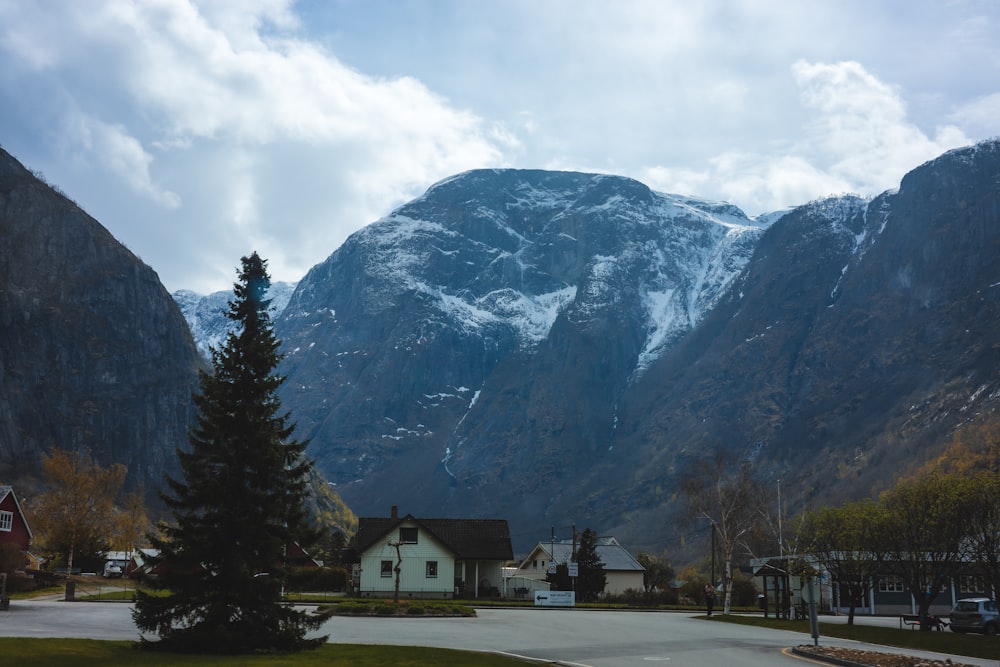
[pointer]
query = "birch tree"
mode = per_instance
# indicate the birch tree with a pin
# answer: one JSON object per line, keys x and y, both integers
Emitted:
{"x": 726, "y": 495}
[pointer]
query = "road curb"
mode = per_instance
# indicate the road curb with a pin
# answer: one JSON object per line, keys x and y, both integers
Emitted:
{"x": 811, "y": 655}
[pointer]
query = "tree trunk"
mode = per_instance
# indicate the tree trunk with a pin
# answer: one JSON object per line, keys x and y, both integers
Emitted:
{"x": 854, "y": 596}
{"x": 924, "y": 612}
{"x": 69, "y": 571}
{"x": 727, "y": 584}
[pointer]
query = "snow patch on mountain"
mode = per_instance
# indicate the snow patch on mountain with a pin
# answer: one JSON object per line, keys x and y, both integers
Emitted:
{"x": 206, "y": 313}
{"x": 689, "y": 253}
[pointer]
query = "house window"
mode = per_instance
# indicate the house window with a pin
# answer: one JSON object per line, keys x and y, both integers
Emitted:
{"x": 432, "y": 569}
{"x": 891, "y": 584}
{"x": 387, "y": 568}
{"x": 6, "y": 521}
{"x": 407, "y": 535}
{"x": 968, "y": 583}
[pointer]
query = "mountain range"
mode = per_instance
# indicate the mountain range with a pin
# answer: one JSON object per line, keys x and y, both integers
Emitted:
{"x": 558, "y": 348}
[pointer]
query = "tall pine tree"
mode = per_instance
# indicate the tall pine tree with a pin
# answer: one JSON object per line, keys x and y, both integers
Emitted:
{"x": 239, "y": 505}
{"x": 592, "y": 579}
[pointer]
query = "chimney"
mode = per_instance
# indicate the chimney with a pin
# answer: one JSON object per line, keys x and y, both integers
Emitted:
{"x": 394, "y": 514}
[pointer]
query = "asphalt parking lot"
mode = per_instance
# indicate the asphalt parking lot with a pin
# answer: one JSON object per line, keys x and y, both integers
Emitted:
{"x": 568, "y": 636}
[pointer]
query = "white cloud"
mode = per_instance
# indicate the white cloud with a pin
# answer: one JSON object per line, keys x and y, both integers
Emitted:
{"x": 219, "y": 101}
{"x": 857, "y": 138}
{"x": 198, "y": 130}
{"x": 862, "y": 131}
{"x": 980, "y": 114}
{"x": 113, "y": 148}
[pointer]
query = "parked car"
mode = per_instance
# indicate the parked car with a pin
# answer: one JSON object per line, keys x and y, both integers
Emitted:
{"x": 114, "y": 568}
{"x": 976, "y": 615}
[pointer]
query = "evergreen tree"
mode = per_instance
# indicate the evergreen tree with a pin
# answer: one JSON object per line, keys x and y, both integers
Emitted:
{"x": 560, "y": 580}
{"x": 592, "y": 579}
{"x": 239, "y": 504}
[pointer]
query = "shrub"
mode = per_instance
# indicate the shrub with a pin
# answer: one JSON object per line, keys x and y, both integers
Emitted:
{"x": 744, "y": 591}
{"x": 384, "y": 609}
{"x": 636, "y": 598}
{"x": 317, "y": 579}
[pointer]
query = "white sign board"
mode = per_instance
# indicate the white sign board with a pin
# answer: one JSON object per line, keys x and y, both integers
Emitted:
{"x": 555, "y": 598}
{"x": 574, "y": 569}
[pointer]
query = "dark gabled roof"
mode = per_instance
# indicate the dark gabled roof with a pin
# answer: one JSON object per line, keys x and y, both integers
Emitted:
{"x": 469, "y": 539}
{"x": 614, "y": 556}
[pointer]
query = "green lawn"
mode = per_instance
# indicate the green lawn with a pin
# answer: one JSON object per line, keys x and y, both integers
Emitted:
{"x": 90, "y": 652}
{"x": 971, "y": 645}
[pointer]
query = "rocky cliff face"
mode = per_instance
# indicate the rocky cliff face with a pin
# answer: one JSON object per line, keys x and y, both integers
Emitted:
{"x": 94, "y": 354}
{"x": 858, "y": 338}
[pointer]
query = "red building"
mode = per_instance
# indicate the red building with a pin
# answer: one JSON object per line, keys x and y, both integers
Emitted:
{"x": 13, "y": 525}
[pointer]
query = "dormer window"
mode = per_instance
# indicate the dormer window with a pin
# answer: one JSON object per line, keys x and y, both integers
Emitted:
{"x": 407, "y": 535}
{"x": 6, "y": 521}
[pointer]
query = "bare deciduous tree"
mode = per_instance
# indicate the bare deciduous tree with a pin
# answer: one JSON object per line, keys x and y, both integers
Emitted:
{"x": 725, "y": 493}
{"x": 131, "y": 523}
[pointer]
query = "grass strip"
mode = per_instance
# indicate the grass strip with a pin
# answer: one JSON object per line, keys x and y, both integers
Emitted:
{"x": 32, "y": 652}
{"x": 953, "y": 643}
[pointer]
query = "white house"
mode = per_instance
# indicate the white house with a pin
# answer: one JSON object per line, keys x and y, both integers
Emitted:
{"x": 622, "y": 572}
{"x": 438, "y": 558}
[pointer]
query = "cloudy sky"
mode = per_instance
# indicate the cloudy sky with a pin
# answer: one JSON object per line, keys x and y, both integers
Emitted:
{"x": 198, "y": 131}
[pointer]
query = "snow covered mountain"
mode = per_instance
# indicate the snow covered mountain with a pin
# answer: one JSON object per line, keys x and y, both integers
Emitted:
{"x": 556, "y": 348}
{"x": 206, "y": 314}
{"x": 430, "y": 338}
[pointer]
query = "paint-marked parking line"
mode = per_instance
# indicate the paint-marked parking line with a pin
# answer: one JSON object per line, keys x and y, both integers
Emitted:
{"x": 540, "y": 661}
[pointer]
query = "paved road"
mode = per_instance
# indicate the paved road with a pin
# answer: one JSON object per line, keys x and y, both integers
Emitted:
{"x": 571, "y": 637}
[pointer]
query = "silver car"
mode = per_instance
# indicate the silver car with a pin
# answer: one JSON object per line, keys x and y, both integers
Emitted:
{"x": 975, "y": 615}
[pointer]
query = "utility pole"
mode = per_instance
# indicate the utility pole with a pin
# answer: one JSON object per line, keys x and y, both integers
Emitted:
{"x": 573, "y": 557}
{"x": 552, "y": 554}
{"x": 781, "y": 541}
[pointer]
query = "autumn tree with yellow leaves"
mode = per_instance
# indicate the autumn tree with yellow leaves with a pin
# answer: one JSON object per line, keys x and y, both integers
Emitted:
{"x": 76, "y": 513}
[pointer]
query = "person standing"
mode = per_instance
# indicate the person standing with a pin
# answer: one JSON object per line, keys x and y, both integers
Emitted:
{"x": 709, "y": 597}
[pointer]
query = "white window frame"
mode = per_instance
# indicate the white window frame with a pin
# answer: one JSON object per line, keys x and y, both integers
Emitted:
{"x": 6, "y": 521}
{"x": 971, "y": 583}
{"x": 431, "y": 565}
{"x": 383, "y": 572}
{"x": 891, "y": 583}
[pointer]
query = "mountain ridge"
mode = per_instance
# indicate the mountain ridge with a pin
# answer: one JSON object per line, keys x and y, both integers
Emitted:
{"x": 583, "y": 361}
{"x": 531, "y": 257}
{"x": 573, "y": 427}
{"x": 551, "y": 348}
